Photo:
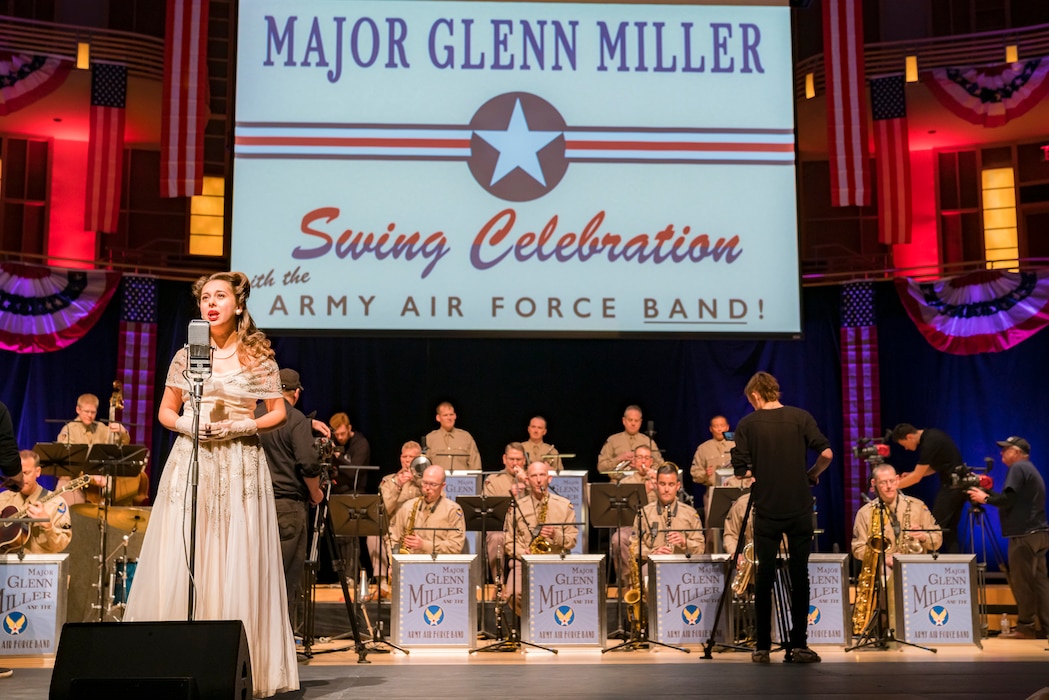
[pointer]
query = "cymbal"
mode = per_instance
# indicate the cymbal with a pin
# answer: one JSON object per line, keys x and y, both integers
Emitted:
{"x": 124, "y": 517}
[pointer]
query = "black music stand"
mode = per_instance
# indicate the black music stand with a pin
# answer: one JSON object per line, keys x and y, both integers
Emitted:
{"x": 721, "y": 500}
{"x": 615, "y": 505}
{"x": 62, "y": 458}
{"x": 451, "y": 462}
{"x": 481, "y": 514}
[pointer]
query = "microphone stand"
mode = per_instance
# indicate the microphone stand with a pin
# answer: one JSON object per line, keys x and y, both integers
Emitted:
{"x": 196, "y": 380}
{"x": 513, "y": 642}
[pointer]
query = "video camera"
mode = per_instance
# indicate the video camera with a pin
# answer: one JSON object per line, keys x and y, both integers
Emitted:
{"x": 964, "y": 477}
{"x": 325, "y": 451}
{"x": 872, "y": 450}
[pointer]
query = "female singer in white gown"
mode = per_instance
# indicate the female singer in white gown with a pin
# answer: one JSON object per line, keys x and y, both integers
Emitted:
{"x": 238, "y": 567}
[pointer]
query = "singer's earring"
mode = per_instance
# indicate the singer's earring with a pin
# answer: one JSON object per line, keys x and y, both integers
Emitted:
{"x": 238, "y": 312}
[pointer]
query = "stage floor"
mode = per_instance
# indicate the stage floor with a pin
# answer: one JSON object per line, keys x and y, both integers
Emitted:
{"x": 1002, "y": 669}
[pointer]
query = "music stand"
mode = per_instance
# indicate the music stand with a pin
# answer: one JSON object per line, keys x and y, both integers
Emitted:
{"x": 451, "y": 462}
{"x": 615, "y": 505}
{"x": 348, "y": 478}
{"x": 481, "y": 514}
{"x": 67, "y": 457}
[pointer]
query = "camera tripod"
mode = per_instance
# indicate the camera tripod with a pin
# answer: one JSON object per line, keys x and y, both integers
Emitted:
{"x": 977, "y": 519}
{"x": 323, "y": 529}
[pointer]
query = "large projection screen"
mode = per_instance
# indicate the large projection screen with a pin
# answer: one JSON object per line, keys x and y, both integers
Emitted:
{"x": 496, "y": 168}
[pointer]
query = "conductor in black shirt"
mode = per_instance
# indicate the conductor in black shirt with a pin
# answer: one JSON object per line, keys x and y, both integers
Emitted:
{"x": 772, "y": 443}
{"x": 936, "y": 453}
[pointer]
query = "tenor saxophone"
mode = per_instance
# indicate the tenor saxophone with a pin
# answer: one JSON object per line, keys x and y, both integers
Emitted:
{"x": 410, "y": 528}
{"x": 635, "y": 610}
{"x": 907, "y": 543}
{"x": 866, "y": 605}
{"x": 745, "y": 573}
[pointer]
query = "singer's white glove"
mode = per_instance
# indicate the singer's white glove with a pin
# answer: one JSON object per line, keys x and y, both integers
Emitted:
{"x": 243, "y": 427}
{"x": 184, "y": 424}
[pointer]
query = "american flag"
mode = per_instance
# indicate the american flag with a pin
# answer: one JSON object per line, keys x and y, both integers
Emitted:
{"x": 185, "y": 113}
{"x": 860, "y": 389}
{"x": 136, "y": 351}
{"x": 105, "y": 155}
{"x": 893, "y": 165}
{"x": 850, "y": 180}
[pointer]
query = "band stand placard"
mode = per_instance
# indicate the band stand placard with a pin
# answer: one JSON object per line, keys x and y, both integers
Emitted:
{"x": 564, "y": 600}
{"x": 935, "y": 599}
{"x": 435, "y": 601}
{"x": 683, "y": 595}
{"x": 829, "y": 619}
{"x": 573, "y": 486}
{"x": 464, "y": 483}
{"x": 32, "y": 603}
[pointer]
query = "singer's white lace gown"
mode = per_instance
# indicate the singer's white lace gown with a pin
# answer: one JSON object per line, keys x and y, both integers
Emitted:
{"x": 239, "y": 571}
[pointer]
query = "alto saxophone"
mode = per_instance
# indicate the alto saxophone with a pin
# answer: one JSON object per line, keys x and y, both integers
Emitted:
{"x": 866, "y": 605}
{"x": 745, "y": 573}
{"x": 410, "y": 528}
{"x": 541, "y": 545}
{"x": 907, "y": 543}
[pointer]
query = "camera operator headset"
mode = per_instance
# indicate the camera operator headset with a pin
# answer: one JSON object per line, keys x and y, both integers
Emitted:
{"x": 937, "y": 453}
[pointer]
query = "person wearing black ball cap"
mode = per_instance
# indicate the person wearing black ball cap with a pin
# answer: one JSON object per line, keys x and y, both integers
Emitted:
{"x": 1021, "y": 508}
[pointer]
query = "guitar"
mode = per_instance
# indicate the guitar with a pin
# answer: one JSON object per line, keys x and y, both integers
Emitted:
{"x": 14, "y": 535}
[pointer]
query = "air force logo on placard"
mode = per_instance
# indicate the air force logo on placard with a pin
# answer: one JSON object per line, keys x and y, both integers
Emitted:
{"x": 565, "y": 615}
{"x": 15, "y": 623}
{"x": 938, "y": 615}
{"x": 814, "y": 615}
{"x": 691, "y": 614}
{"x": 434, "y": 615}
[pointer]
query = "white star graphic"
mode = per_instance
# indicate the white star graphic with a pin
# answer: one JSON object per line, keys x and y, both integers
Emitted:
{"x": 518, "y": 147}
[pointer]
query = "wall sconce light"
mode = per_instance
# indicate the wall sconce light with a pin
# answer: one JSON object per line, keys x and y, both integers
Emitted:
{"x": 810, "y": 86}
{"x": 83, "y": 55}
{"x": 911, "y": 69}
{"x": 1012, "y": 53}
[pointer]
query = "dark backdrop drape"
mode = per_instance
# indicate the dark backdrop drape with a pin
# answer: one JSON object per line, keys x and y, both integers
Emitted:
{"x": 390, "y": 387}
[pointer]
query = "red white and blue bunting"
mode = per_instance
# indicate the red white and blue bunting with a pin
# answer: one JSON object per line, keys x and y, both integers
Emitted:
{"x": 24, "y": 79}
{"x": 46, "y": 309}
{"x": 990, "y": 95}
{"x": 987, "y": 311}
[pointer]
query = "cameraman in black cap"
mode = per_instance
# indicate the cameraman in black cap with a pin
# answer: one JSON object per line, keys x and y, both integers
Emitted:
{"x": 295, "y": 469}
{"x": 1021, "y": 507}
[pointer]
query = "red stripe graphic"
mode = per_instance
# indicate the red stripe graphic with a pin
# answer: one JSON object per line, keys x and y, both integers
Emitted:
{"x": 893, "y": 168}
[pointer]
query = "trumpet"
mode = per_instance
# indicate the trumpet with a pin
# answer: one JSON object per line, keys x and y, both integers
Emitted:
{"x": 418, "y": 466}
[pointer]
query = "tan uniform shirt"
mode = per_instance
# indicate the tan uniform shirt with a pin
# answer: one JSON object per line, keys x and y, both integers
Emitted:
{"x": 711, "y": 449}
{"x": 636, "y": 478}
{"x": 42, "y": 540}
{"x": 682, "y": 517}
{"x": 455, "y": 440}
{"x": 444, "y": 513}
{"x": 908, "y": 511}
{"x": 77, "y": 433}
{"x": 499, "y": 484}
{"x": 394, "y": 495}
{"x": 558, "y": 510}
{"x": 619, "y": 443}
{"x": 534, "y": 452}
{"x": 733, "y": 522}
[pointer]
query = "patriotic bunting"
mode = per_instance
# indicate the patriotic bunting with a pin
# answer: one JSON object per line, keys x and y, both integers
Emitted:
{"x": 987, "y": 311}
{"x": 105, "y": 154}
{"x": 184, "y": 113}
{"x": 990, "y": 95}
{"x": 846, "y": 103}
{"x": 24, "y": 79}
{"x": 893, "y": 159}
{"x": 46, "y": 309}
